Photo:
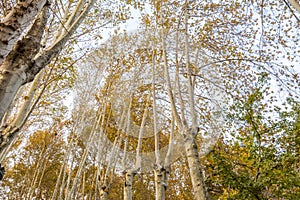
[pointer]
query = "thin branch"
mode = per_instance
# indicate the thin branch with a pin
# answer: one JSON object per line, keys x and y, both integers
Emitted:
{"x": 295, "y": 4}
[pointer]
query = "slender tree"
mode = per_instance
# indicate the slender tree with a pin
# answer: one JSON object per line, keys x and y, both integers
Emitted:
{"x": 21, "y": 60}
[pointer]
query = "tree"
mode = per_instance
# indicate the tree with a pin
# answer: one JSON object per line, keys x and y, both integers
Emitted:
{"x": 35, "y": 32}
{"x": 23, "y": 58}
{"x": 32, "y": 34}
{"x": 260, "y": 161}
{"x": 35, "y": 167}
{"x": 196, "y": 70}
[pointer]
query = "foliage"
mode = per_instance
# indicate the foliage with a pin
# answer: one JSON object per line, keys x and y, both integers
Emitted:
{"x": 261, "y": 159}
{"x": 35, "y": 168}
{"x": 242, "y": 57}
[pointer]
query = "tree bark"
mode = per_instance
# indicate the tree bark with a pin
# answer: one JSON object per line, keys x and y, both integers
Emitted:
{"x": 189, "y": 134}
{"x": 194, "y": 164}
{"x": 161, "y": 178}
{"x": 13, "y": 24}
{"x": 105, "y": 186}
{"x": 13, "y": 69}
{"x": 23, "y": 62}
{"x": 138, "y": 162}
{"x": 128, "y": 184}
{"x": 104, "y": 193}
{"x": 10, "y": 131}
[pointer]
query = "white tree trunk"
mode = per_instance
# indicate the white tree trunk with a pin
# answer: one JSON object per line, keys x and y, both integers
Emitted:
{"x": 21, "y": 61}
{"x": 189, "y": 134}
{"x": 26, "y": 108}
{"x": 97, "y": 123}
{"x": 138, "y": 163}
{"x": 104, "y": 189}
{"x": 194, "y": 164}
{"x": 128, "y": 184}
{"x": 17, "y": 20}
{"x": 160, "y": 172}
{"x": 104, "y": 193}
{"x": 14, "y": 69}
{"x": 161, "y": 178}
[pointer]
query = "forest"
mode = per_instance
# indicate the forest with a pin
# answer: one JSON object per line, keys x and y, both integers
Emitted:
{"x": 149, "y": 99}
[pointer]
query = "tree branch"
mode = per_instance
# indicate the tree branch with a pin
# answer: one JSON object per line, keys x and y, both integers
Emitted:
{"x": 40, "y": 61}
{"x": 295, "y": 4}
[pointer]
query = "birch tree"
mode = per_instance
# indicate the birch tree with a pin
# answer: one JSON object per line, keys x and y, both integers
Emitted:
{"x": 23, "y": 58}
{"x": 187, "y": 126}
{"x": 16, "y": 70}
{"x": 35, "y": 166}
{"x": 162, "y": 166}
{"x": 202, "y": 54}
{"x": 34, "y": 32}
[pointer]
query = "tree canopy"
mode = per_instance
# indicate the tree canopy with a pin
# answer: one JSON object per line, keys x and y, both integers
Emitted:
{"x": 149, "y": 99}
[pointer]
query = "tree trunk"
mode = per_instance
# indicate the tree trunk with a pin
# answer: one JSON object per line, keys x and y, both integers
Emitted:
{"x": 103, "y": 194}
{"x": 13, "y": 24}
{"x": 195, "y": 169}
{"x": 24, "y": 61}
{"x": 104, "y": 190}
{"x": 15, "y": 66}
{"x": 189, "y": 134}
{"x": 161, "y": 179}
{"x": 128, "y": 184}
{"x": 19, "y": 121}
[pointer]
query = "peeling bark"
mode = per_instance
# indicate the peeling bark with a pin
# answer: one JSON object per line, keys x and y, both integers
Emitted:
{"x": 13, "y": 68}
{"x": 15, "y": 22}
{"x": 17, "y": 75}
